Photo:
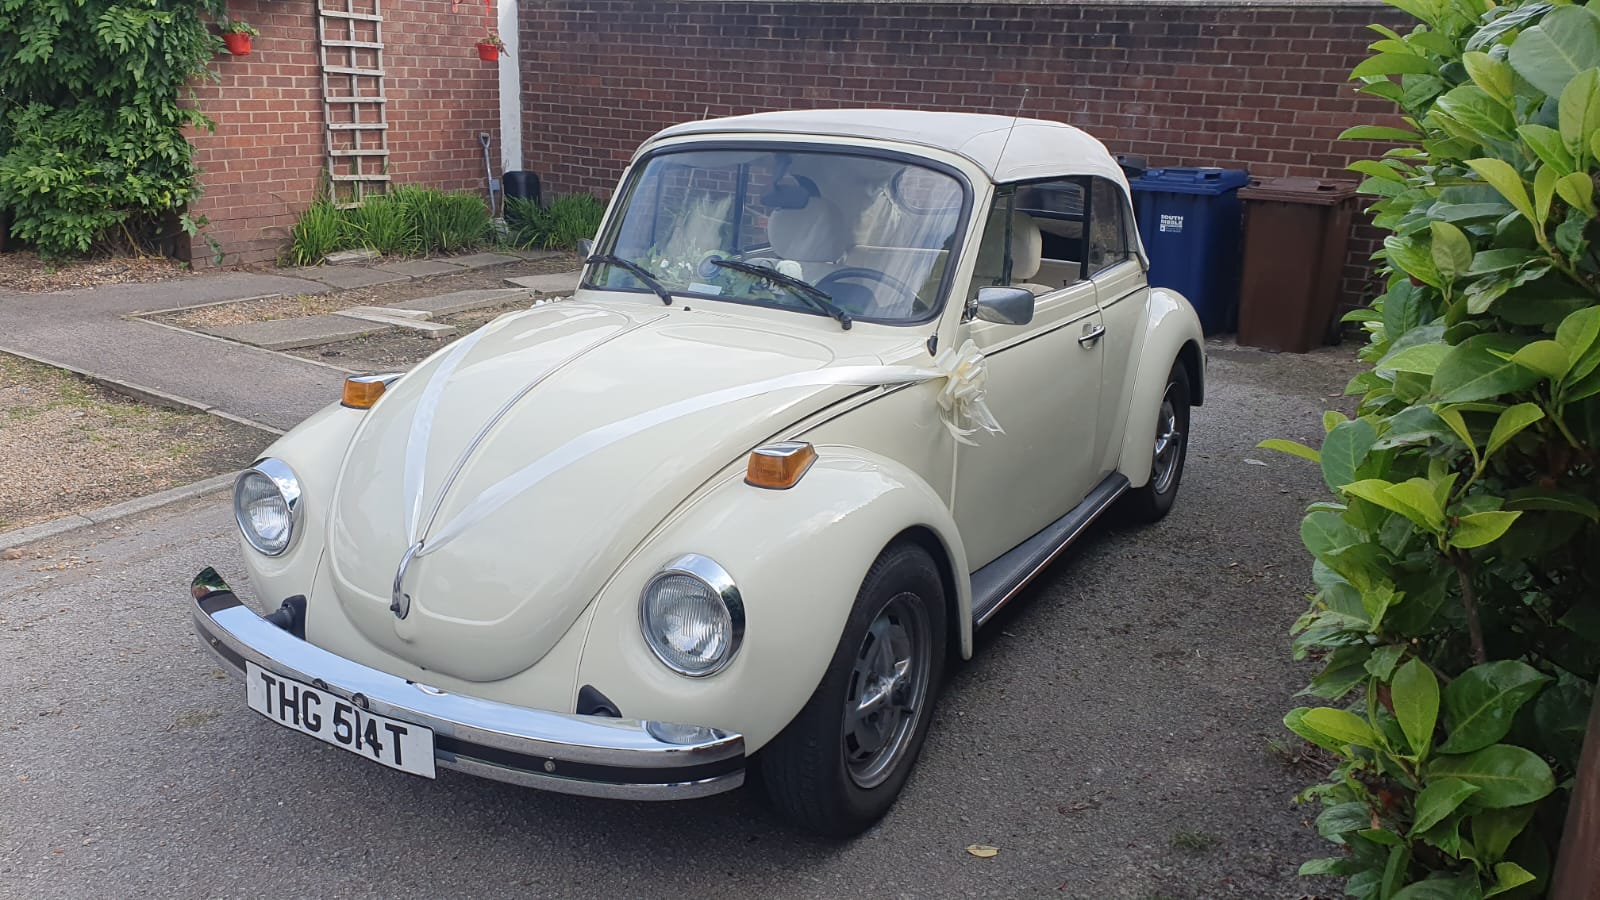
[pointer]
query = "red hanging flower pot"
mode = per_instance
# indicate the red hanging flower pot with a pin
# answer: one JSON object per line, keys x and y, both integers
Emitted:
{"x": 237, "y": 44}
{"x": 488, "y": 52}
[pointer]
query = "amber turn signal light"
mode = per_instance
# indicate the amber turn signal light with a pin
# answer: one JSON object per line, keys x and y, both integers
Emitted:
{"x": 779, "y": 466}
{"x": 361, "y": 391}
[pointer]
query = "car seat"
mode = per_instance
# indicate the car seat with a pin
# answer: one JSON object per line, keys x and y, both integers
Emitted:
{"x": 1027, "y": 247}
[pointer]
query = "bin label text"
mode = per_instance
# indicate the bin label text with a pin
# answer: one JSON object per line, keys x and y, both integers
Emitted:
{"x": 1173, "y": 224}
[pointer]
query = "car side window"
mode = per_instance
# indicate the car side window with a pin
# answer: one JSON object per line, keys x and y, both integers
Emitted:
{"x": 1108, "y": 231}
{"x": 1040, "y": 226}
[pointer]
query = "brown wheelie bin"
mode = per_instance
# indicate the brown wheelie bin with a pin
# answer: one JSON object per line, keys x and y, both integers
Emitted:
{"x": 1295, "y": 234}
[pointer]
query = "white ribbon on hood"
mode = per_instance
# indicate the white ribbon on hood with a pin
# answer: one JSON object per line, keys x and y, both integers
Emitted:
{"x": 961, "y": 403}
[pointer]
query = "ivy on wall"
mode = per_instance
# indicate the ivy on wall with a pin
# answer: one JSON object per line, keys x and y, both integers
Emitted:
{"x": 92, "y": 151}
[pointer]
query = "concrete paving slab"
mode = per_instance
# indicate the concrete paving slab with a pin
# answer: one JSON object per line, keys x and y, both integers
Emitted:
{"x": 352, "y": 257}
{"x": 462, "y": 301}
{"x": 556, "y": 283}
{"x": 289, "y": 334}
{"x": 18, "y": 309}
{"x": 412, "y": 319}
{"x": 533, "y": 255}
{"x": 483, "y": 260}
{"x": 346, "y": 277}
{"x": 385, "y": 313}
{"x": 254, "y": 386}
{"x": 419, "y": 268}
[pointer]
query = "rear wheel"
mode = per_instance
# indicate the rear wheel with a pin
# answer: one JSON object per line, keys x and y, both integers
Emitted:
{"x": 1154, "y": 500}
{"x": 838, "y": 767}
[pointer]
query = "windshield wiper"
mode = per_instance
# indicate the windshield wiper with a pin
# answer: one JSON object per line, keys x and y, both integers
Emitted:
{"x": 637, "y": 271}
{"x": 804, "y": 289}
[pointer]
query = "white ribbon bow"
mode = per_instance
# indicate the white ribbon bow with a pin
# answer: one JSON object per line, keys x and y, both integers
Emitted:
{"x": 961, "y": 400}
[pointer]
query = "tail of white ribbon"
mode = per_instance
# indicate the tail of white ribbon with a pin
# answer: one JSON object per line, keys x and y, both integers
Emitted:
{"x": 961, "y": 405}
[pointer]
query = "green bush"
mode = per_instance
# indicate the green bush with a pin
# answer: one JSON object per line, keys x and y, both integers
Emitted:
{"x": 560, "y": 226}
{"x": 91, "y": 131}
{"x": 1457, "y": 604}
{"x": 384, "y": 225}
{"x": 320, "y": 231}
{"x": 446, "y": 222}
{"x": 409, "y": 221}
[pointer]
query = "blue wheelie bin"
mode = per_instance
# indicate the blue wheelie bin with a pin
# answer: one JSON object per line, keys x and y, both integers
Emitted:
{"x": 1191, "y": 224}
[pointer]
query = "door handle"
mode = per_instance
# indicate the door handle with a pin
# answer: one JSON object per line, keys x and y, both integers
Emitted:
{"x": 1091, "y": 333}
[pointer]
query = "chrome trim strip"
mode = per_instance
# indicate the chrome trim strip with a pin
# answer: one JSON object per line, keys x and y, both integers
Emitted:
{"x": 1031, "y": 560}
{"x": 686, "y": 790}
{"x": 632, "y": 762}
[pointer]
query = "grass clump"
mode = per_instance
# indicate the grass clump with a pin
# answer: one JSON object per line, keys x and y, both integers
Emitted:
{"x": 319, "y": 232}
{"x": 410, "y": 221}
{"x": 559, "y": 226}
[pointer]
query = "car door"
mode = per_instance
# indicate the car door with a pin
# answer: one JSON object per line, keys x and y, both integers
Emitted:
{"x": 1043, "y": 388}
{"x": 1123, "y": 296}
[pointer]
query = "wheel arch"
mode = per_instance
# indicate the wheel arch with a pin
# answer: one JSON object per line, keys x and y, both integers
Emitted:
{"x": 958, "y": 632}
{"x": 1172, "y": 337}
{"x": 798, "y": 583}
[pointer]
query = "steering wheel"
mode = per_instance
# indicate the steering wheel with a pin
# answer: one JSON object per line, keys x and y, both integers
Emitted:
{"x": 858, "y": 273}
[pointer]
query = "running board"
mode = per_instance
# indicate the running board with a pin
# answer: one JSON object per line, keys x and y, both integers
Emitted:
{"x": 996, "y": 583}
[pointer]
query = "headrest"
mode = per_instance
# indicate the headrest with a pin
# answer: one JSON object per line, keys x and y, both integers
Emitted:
{"x": 1027, "y": 249}
{"x": 816, "y": 232}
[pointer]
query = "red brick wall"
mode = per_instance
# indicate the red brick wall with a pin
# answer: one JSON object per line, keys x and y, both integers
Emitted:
{"x": 264, "y": 163}
{"x": 1237, "y": 84}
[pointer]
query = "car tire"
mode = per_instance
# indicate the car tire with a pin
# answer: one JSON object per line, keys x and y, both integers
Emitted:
{"x": 1154, "y": 500}
{"x": 838, "y": 766}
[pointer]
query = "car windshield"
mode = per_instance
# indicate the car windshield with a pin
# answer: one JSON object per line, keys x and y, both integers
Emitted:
{"x": 866, "y": 235}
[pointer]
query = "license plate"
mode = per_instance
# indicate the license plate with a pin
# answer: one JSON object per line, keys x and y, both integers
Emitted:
{"x": 334, "y": 720}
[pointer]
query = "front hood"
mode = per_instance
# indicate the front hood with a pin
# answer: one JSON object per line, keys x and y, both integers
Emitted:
{"x": 501, "y": 588}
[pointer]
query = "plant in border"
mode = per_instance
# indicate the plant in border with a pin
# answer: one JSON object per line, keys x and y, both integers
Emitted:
{"x": 560, "y": 226}
{"x": 92, "y": 149}
{"x": 1457, "y": 604}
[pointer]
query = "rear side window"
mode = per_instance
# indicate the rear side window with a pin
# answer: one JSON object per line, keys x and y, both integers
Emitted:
{"x": 1108, "y": 228}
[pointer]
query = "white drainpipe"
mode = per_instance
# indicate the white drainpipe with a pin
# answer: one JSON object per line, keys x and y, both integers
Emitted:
{"x": 510, "y": 88}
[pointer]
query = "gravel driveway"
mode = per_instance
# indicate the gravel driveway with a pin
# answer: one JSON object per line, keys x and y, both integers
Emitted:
{"x": 1112, "y": 735}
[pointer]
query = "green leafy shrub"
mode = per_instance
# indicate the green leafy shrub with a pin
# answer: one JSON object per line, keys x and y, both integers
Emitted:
{"x": 382, "y": 224}
{"x": 446, "y": 222}
{"x": 320, "y": 231}
{"x": 1457, "y": 609}
{"x": 411, "y": 220}
{"x": 91, "y": 142}
{"x": 560, "y": 226}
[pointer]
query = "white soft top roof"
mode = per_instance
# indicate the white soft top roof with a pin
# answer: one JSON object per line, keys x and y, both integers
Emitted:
{"x": 1008, "y": 149}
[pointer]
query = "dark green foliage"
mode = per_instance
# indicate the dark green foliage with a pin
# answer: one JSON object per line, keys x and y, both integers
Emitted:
{"x": 91, "y": 141}
{"x": 382, "y": 224}
{"x": 560, "y": 226}
{"x": 320, "y": 231}
{"x": 446, "y": 222}
{"x": 408, "y": 222}
{"x": 1457, "y": 604}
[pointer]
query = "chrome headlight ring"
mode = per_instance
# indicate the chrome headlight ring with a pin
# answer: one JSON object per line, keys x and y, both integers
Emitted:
{"x": 692, "y": 616}
{"x": 267, "y": 506}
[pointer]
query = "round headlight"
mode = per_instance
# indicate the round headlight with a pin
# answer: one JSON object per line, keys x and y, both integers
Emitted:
{"x": 692, "y": 616}
{"x": 266, "y": 504}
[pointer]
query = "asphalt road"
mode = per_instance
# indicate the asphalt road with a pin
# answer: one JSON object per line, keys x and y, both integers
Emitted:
{"x": 1111, "y": 736}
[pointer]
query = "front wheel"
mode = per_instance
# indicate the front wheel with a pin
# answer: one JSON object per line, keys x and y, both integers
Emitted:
{"x": 1154, "y": 500}
{"x": 838, "y": 767}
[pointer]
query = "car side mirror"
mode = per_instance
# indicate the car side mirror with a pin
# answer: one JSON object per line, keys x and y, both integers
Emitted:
{"x": 1006, "y": 305}
{"x": 586, "y": 247}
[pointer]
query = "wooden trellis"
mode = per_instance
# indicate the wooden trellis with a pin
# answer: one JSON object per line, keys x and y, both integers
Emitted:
{"x": 354, "y": 107}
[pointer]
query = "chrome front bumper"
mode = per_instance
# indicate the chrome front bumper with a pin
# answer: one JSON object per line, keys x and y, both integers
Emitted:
{"x": 595, "y": 756}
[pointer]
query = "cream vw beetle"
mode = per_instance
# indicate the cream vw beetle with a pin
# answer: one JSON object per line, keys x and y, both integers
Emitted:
{"x": 835, "y": 386}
